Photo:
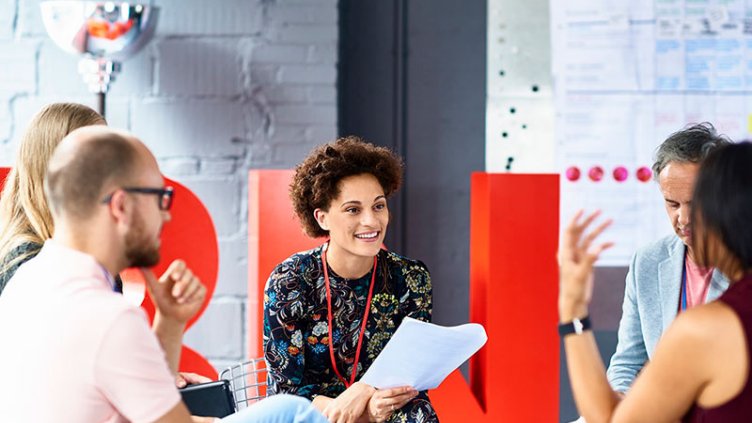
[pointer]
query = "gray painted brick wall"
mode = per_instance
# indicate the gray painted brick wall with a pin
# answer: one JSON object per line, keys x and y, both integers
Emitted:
{"x": 224, "y": 87}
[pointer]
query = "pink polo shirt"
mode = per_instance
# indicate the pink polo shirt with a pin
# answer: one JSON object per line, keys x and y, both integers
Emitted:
{"x": 72, "y": 350}
{"x": 698, "y": 282}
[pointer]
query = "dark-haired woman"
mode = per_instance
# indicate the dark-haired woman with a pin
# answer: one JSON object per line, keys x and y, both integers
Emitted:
{"x": 701, "y": 369}
{"x": 329, "y": 312}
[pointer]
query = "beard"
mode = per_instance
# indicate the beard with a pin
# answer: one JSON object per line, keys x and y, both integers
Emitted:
{"x": 140, "y": 250}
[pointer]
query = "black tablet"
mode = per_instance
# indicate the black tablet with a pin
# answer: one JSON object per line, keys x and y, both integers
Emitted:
{"x": 211, "y": 399}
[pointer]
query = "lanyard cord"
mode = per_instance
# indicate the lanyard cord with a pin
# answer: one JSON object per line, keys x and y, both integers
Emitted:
{"x": 329, "y": 319}
{"x": 108, "y": 277}
{"x": 683, "y": 297}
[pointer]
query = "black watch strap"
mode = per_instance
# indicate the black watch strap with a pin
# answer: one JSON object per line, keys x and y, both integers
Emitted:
{"x": 575, "y": 326}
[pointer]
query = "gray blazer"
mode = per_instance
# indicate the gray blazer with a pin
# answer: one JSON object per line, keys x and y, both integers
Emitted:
{"x": 651, "y": 302}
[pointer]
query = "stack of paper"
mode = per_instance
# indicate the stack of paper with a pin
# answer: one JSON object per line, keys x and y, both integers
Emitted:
{"x": 422, "y": 354}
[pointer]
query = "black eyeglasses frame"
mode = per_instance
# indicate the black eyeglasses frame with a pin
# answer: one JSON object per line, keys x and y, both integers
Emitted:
{"x": 165, "y": 194}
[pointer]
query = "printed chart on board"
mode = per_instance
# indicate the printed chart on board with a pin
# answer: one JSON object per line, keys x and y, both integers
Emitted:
{"x": 626, "y": 74}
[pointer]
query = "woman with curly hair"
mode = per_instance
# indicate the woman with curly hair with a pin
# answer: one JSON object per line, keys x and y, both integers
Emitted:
{"x": 329, "y": 312}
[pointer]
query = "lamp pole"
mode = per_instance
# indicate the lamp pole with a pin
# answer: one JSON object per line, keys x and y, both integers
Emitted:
{"x": 103, "y": 33}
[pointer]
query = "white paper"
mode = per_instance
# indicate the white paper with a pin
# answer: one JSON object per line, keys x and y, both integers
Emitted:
{"x": 422, "y": 354}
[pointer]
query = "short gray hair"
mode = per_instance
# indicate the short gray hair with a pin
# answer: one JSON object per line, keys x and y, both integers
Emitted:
{"x": 690, "y": 145}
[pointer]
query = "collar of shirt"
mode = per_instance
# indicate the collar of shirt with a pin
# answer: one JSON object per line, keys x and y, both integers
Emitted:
{"x": 66, "y": 263}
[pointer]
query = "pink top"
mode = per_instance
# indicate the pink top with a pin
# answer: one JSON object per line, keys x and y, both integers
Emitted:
{"x": 71, "y": 350}
{"x": 698, "y": 282}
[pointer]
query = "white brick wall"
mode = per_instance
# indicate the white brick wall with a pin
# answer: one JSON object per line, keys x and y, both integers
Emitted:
{"x": 215, "y": 333}
{"x": 196, "y": 126}
{"x": 225, "y": 86}
{"x": 18, "y": 66}
{"x": 217, "y": 74}
{"x": 6, "y": 18}
{"x": 218, "y": 17}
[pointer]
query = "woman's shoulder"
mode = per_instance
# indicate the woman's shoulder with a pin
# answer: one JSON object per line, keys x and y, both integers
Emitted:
{"x": 298, "y": 264}
{"x": 701, "y": 326}
{"x": 17, "y": 256}
{"x": 25, "y": 248}
{"x": 407, "y": 264}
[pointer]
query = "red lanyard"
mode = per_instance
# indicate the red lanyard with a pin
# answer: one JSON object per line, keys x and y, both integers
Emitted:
{"x": 329, "y": 319}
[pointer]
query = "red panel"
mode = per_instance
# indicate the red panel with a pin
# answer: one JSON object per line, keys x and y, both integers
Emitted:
{"x": 3, "y": 173}
{"x": 274, "y": 234}
{"x": 480, "y": 236}
{"x": 513, "y": 293}
{"x": 454, "y": 402}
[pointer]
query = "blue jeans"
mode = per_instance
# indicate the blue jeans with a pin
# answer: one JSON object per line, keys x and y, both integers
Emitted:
{"x": 278, "y": 409}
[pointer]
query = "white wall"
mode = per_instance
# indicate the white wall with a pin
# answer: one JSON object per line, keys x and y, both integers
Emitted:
{"x": 225, "y": 86}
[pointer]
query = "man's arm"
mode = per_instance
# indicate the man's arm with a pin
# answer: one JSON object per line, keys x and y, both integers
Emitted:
{"x": 631, "y": 354}
{"x": 138, "y": 383}
{"x": 177, "y": 295}
{"x": 179, "y": 414}
{"x": 169, "y": 332}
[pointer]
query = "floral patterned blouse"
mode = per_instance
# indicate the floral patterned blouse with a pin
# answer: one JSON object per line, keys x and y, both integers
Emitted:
{"x": 296, "y": 334}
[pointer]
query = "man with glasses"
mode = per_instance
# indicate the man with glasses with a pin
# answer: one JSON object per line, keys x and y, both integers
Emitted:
{"x": 81, "y": 353}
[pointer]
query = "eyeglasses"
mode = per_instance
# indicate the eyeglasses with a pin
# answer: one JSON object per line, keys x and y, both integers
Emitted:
{"x": 165, "y": 195}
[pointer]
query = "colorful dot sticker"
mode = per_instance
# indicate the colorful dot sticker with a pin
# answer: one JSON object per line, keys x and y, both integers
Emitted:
{"x": 595, "y": 173}
{"x": 644, "y": 174}
{"x": 620, "y": 174}
{"x": 573, "y": 173}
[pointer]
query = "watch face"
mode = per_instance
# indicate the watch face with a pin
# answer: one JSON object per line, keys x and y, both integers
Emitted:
{"x": 577, "y": 326}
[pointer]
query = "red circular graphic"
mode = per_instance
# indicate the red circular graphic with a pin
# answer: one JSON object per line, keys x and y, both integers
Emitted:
{"x": 595, "y": 173}
{"x": 620, "y": 174}
{"x": 573, "y": 173}
{"x": 644, "y": 174}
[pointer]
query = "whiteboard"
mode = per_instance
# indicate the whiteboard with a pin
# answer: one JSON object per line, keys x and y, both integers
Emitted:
{"x": 623, "y": 76}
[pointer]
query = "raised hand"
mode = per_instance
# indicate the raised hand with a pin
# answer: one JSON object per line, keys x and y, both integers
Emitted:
{"x": 576, "y": 260}
{"x": 178, "y": 294}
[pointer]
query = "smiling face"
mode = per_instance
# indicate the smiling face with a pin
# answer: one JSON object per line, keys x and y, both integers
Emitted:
{"x": 356, "y": 220}
{"x": 677, "y": 182}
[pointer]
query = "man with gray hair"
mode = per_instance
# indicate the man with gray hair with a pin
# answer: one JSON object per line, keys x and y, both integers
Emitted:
{"x": 79, "y": 352}
{"x": 663, "y": 277}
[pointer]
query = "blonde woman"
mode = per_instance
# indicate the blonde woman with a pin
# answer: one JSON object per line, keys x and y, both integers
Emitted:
{"x": 25, "y": 221}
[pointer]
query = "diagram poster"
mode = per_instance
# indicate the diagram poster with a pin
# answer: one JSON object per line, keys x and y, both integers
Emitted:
{"x": 625, "y": 76}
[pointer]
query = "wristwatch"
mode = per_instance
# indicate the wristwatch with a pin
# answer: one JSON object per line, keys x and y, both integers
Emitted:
{"x": 575, "y": 326}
